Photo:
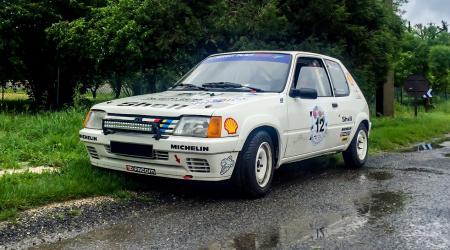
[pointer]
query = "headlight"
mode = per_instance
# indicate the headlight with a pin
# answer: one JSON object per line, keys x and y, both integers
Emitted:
{"x": 94, "y": 119}
{"x": 198, "y": 126}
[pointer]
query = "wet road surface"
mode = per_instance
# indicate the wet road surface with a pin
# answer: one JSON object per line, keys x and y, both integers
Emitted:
{"x": 398, "y": 201}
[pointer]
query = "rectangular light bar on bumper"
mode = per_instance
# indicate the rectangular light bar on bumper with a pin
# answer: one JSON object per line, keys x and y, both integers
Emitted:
{"x": 193, "y": 126}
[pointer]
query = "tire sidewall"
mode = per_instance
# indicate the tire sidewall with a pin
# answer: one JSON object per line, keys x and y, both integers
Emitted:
{"x": 247, "y": 163}
{"x": 351, "y": 154}
{"x": 363, "y": 128}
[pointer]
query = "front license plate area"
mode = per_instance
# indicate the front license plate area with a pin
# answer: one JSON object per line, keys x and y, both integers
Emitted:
{"x": 132, "y": 149}
{"x": 141, "y": 170}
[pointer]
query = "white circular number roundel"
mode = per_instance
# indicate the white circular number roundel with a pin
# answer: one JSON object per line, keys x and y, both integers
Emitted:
{"x": 319, "y": 125}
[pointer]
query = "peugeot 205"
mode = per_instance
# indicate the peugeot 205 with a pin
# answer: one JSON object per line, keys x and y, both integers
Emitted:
{"x": 235, "y": 116}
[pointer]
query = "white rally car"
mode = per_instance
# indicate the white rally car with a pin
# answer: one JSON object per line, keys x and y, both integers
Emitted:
{"x": 236, "y": 116}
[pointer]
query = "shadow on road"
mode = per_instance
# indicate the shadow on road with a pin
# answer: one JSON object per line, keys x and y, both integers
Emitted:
{"x": 165, "y": 188}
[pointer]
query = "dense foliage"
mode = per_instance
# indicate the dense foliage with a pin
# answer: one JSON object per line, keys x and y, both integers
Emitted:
{"x": 426, "y": 50}
{"x": 147, "y": 44}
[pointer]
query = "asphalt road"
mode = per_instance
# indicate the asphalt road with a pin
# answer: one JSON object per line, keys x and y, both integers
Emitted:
{"x": 398, "y": 201}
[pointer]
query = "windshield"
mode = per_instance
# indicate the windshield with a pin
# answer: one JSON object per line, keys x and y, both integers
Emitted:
{"x": 263, "y": 72}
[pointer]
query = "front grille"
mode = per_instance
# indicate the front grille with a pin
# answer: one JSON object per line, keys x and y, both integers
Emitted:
{"x": 160, "y": 155}
{"x": 92, "y": 152}
{"x": 198, "y": 165}
{"x": 143, "y": 125}
{"x": 157, "y": 155}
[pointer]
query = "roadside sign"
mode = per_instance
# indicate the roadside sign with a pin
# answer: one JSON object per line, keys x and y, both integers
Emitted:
{"x": 417, "y": 86}
{"x": 428, "y": 94}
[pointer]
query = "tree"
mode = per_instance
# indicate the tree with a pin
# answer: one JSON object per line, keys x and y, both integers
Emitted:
{"x": 439, "y": 61}
{"x": 151, "y": 42}
{"x": 28, "y": 54}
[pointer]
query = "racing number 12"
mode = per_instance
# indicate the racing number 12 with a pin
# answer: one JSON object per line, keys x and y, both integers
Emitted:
{"x": 320, "y": 122}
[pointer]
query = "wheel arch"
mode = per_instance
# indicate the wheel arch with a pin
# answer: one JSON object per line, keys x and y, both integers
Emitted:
{"x": 363, "y": 118}
{"x": 366, "y": 123}
{"x": 274, "y": 135}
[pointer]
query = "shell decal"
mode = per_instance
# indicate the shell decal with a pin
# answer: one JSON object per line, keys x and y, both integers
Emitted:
{"x": 350, "y": 79}
{"x": 231, "y": 126}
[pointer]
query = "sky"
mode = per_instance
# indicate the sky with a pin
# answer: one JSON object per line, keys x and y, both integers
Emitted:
{"x": 426, "y": 11}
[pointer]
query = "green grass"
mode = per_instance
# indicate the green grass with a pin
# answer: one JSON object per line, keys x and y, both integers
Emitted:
{"x": 76, "y": 180}
{"x": 405, "y": 129}
{"x": 51, "y": 139}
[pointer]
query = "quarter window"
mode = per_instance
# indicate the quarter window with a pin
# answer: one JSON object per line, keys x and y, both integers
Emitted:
{"x": 338, "y": 78}
{"x": 310, "y": 73}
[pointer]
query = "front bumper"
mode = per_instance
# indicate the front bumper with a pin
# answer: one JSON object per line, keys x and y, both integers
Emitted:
{"x": 205, "y": 159}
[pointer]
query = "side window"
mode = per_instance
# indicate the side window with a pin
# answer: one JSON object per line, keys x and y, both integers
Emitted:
{"x": 310, "y": 73}
{"x": 338, "y": 78}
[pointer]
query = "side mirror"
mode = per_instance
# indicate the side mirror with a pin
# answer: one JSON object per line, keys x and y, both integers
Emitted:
{"x": 304, "y": 93}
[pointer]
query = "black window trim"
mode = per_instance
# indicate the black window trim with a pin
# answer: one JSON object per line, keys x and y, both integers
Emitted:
{"x": 331, "y": 80}
{"x": 326, "y": 72}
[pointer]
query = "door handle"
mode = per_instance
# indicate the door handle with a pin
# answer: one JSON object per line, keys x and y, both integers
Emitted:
{"x": 335, "y": 105}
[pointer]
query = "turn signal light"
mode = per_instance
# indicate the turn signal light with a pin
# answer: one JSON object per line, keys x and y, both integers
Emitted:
{"x": 215, "y": 127}
{"x": 86, "y": 119}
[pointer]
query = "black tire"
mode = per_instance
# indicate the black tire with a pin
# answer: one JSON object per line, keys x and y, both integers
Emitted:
{"x": 351, "y": 158}
{"x": 244, "y": 175}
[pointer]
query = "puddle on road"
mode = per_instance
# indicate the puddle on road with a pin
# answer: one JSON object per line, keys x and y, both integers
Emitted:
{"x": 447, "y": 155}
{"x": 427, "y": 146}
{"x": 377, "y": 205}
{"x": 307, "y": 228}
{"x": 380, "y": 176}
{"x": 422, "y": 170}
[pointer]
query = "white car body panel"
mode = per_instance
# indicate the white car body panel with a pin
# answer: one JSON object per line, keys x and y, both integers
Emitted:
{"x": 289, "y": 117}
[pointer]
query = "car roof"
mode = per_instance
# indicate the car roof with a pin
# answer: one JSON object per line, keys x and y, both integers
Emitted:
{"x": 293, "y": 53}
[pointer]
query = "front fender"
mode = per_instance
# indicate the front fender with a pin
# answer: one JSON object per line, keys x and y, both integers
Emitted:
{"x": 256, "y": 121}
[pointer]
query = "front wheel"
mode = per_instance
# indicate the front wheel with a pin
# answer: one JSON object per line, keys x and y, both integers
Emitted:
{"x": 356, "y": 154}
{"x": 255, "y": 165}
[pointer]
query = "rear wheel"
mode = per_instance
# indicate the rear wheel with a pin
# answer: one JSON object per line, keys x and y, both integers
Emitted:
{"x": 356, "y": 154}
{"x": 254, "y": 169}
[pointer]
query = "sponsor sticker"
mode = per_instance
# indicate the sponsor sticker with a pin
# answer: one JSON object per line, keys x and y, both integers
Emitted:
{"x": 226, "y": 164}
{"x": 189, "y": 148}
{"x": 345, "y": 134}
{"x": 350, "y": 78}
{"x": 231, "y": 126}
{"x": 177, "y": 159}
{"x": 347, "y": 118}
{"x": 88, "y": 137}
{"x": 141, "y": 170}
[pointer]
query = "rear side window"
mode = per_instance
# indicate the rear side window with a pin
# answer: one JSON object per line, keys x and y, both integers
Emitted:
{"x": 338, "y": 78}
{"x": 310, "y": 73}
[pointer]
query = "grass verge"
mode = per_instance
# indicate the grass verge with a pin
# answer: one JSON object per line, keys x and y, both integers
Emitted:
{"x": 405, "y": 129}
{"x": 51, "y": 139}
{"x": 48, "y": 139}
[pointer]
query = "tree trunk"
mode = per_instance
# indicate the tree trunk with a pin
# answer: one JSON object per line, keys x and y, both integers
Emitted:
{"x": 151, "y": 83}
{"x": 117, "y": 88}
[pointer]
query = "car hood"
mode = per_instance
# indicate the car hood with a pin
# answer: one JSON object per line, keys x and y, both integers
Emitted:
{"x": 176, "y": 103}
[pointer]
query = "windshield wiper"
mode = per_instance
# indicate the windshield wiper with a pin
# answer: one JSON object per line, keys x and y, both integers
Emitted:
{"x": 189, "y": 86}
{"x": 226, "y": 85}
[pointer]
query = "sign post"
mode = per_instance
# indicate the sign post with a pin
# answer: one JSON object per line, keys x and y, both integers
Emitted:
{"x": 416, "y": 86}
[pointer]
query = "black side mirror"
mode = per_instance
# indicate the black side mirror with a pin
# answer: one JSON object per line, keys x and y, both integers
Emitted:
{"x": 304, "y": 93}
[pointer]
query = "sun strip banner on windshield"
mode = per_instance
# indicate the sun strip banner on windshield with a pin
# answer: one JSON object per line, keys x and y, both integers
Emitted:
{"x": 260, "y": 57}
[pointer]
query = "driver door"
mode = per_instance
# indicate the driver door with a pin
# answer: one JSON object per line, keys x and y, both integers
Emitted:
{"x": 309, "y": 118}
